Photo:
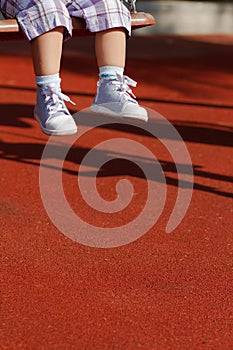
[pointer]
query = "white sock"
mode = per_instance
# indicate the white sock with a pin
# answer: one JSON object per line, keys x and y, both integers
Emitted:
{"x": 110, "y": 72}
{"x": 43, "y": 80}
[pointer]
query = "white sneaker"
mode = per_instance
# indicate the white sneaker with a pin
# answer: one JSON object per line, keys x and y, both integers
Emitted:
{"x": 115, "y": 98}
{"x": 51, "y": 112}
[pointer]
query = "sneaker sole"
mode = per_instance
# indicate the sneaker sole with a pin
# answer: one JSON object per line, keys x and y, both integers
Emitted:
{"x": 55, "y": 132}
{"x": 105, "y": 111}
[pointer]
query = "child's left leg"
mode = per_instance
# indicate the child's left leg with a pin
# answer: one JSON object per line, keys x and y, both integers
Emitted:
{"x": 110, "y": 20}
{"x": 110, "y": 47}
{"x": 114, "y": 96}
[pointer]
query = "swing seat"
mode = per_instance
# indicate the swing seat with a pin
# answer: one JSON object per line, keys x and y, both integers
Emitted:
{"x": 10, "y": 30}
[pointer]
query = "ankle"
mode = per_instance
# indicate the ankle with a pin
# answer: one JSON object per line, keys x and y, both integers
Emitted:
{"x": 44, "y": 80}
{"x": 110, "y": 72}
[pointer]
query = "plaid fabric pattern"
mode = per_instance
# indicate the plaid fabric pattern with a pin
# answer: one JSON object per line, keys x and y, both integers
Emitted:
{"x": 37, "y": 16}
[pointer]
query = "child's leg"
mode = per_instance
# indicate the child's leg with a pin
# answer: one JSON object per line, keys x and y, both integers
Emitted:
{"x": 45, "y": 33}
{"x": 46, "y": 52}
{"x": 110, "y": 47}
{"x": 110, "y": 20}
{"x": 114, "y": 96}
{"x": 50, "y": 110}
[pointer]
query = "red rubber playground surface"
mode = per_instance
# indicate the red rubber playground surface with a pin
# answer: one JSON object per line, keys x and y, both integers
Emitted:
{"x": 162, "y": 291}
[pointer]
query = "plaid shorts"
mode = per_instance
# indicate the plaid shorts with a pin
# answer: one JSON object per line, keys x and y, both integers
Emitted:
{"x": 36, "y": 17}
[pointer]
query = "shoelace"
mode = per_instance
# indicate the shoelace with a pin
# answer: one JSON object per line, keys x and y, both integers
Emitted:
{"x": 52, "y": 92}
{"x": 123, "y": 84}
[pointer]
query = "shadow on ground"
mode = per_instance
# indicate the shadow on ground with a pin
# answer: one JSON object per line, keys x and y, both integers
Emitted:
{"x": 202, "y": 133}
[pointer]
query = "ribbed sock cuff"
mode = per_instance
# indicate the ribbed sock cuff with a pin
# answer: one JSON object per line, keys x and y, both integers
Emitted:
{"x": 110, "y": 71}
{"x": 42, "y": 80}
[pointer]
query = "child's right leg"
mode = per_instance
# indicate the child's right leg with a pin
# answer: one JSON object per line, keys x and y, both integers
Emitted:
{"x": 44, "y": 22}
{"x": 50, "y": 110}
{"x": 46, "y": 52}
